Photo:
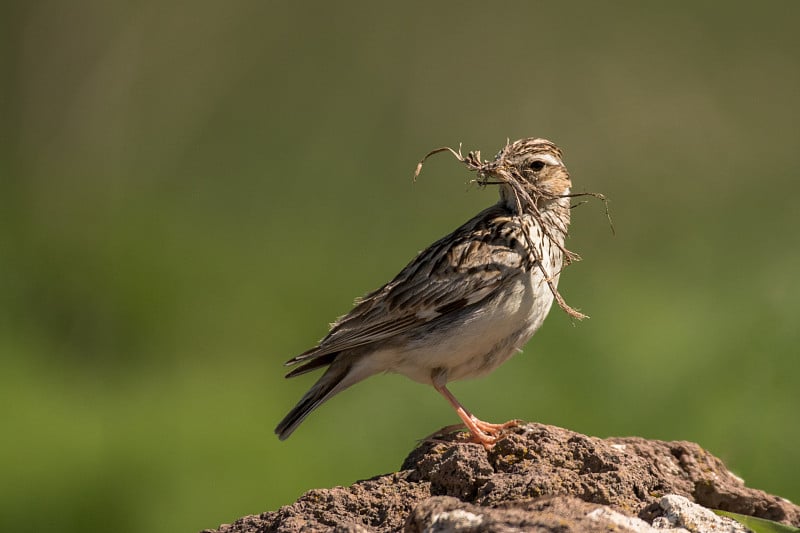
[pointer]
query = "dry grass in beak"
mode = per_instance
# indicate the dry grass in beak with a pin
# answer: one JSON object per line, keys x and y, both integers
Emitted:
{"x": 501, "y": 172}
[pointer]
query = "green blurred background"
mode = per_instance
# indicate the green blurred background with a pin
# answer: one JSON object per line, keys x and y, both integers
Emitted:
{"x": 191, "y": 191}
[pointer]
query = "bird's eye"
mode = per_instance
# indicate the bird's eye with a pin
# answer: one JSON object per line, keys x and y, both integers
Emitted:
{"x": 537, "y": 165}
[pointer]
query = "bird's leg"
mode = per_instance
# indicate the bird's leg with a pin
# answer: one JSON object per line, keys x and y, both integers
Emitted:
{"x": 486, "y": 438}
{"x": 482, "y": 432}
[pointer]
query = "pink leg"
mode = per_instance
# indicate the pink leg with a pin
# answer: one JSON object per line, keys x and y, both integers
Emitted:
{"x": 483, "y": 432}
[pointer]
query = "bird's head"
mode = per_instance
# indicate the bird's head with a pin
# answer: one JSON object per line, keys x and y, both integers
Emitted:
{"x": 528, "y": 170}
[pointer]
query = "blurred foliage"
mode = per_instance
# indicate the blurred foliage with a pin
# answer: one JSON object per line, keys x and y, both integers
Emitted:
{"x": 759, "y": 525}
{"x": 190, "y": 192}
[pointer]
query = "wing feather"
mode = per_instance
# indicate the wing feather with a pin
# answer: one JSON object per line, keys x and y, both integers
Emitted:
{"x": 457, "y": 271}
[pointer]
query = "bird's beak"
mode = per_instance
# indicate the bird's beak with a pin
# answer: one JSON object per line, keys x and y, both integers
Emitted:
{"x": 494, "y": 173}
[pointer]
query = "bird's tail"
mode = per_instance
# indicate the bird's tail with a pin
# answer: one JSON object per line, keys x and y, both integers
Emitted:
{"x": 334, "y": 380}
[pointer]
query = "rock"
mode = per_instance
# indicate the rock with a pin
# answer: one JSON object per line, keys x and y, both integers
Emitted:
{"x": 540, "y": 478}
{"x": 680, "y": 512}
{"x": 445, "y": 514}
{"x": 616, "y": 520}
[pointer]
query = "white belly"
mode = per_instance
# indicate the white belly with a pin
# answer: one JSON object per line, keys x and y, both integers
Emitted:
{"x": 474, "y": 343}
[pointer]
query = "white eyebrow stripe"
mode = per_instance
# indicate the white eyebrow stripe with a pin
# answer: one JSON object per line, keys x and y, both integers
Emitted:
{"x": 550, "y": 159}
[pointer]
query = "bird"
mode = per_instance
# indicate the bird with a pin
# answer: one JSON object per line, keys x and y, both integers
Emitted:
{"x": 468, "y": 302}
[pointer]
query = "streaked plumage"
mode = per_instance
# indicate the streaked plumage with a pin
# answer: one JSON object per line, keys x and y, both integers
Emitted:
{"x": 465, "y": 304}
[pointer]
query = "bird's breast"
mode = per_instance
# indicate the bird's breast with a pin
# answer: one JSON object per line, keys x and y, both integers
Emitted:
{"x": 476, "y": 340}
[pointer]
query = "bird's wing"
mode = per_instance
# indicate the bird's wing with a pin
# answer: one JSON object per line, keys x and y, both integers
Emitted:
{"x": 458, "y": 270}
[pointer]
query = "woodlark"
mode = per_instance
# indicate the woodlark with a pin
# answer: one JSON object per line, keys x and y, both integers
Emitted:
{"x": 465, "y": 304}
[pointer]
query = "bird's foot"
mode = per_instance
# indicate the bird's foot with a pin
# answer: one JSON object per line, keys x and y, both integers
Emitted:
{"x": 488, "y": 427}
{"x": 486, "y": 433}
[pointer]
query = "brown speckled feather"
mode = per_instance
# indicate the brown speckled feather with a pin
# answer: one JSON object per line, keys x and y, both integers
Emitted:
{"x": 458, "y": 270}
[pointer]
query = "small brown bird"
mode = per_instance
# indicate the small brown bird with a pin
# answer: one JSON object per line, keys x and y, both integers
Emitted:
{"x": 465, "y": 304}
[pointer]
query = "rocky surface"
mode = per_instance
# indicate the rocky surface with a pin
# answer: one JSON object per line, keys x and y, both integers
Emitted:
{"x": 537, "y": 478}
